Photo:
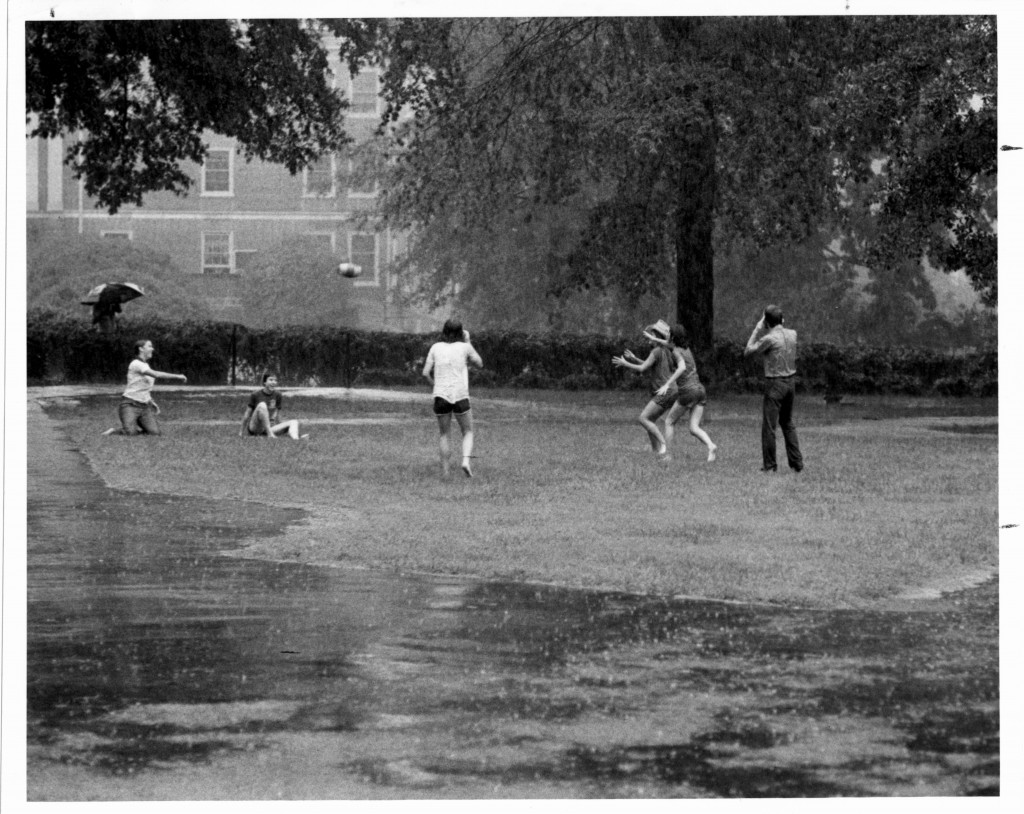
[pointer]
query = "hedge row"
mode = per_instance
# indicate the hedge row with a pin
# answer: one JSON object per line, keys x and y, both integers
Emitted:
{"x": 63, "y": 349}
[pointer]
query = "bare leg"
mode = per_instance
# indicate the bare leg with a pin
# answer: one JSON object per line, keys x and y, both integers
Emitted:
{"x": 444, "y": 426}
{"x": 466, "y": 425}
{"x": 289, "y": 427}
{"x": 699, "y": 434}
{"x": 673, "y": 416}
{"x": 650, "y": 414}
{"x": 260, "y": 421}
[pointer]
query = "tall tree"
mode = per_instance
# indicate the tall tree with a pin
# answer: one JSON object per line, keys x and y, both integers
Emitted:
{"x": 665, "y": 132}
{"x": 140, "y": 94}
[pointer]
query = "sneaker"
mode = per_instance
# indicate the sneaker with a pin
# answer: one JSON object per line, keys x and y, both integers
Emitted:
{"x": 768, "y": 468}
{"x": 301, "y": 437}
{"x": 712, "y": 455}
{"x": 466, "y": 469}
{"x": 111, "y": 431}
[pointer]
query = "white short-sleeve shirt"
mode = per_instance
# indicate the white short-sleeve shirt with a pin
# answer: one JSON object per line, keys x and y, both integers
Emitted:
{"x": 139, "y": 383}
{"x": 451, "y": 371}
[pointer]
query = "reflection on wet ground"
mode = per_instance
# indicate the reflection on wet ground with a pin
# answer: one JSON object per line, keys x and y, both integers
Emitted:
{"x": 158, "y": 669}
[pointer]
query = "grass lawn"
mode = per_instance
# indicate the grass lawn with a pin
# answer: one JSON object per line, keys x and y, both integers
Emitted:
{"x": 897, "y": 492}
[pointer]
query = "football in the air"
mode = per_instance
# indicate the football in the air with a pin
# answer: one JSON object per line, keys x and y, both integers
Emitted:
{"x": 350, "y": 269}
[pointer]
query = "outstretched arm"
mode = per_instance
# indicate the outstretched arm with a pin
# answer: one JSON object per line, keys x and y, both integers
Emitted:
{"x": 623, "y": 361}
{"x": 158, "y": 374}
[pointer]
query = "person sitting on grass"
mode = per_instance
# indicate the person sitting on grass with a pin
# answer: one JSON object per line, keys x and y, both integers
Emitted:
{"x": 666, "y": 363}
{"x": 263, "y": 411}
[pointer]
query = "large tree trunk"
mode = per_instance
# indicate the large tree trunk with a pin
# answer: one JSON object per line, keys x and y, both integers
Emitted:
{"x": 694, "y": 254}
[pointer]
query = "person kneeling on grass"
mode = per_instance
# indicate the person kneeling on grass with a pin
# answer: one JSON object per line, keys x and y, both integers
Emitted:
{"x": 666, "y": 363}
{"x": 263, "y": 411}
{"x": 138, "y": 410}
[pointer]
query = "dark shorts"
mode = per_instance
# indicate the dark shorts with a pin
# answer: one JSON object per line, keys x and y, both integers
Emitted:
{"x": 667, "y": 400}
{"x": 443, "y": 407}
{"x": 695, "y": 396}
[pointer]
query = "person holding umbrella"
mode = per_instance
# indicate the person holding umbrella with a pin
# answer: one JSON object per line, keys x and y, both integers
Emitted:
{"x": 138, "y": 410}
{"x": 106, "y": 300}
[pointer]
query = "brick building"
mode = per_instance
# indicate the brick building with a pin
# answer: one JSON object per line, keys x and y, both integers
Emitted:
{"x": 235, "y": 210}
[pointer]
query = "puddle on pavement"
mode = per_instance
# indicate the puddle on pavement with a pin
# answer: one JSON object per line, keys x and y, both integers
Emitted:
{"x": 158, "y": 669}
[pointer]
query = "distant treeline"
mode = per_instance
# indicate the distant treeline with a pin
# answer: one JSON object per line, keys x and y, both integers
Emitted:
{"x": 66, "y": 350}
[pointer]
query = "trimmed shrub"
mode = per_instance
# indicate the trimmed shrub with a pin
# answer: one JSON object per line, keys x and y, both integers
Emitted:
{"x": 61, "y": 349}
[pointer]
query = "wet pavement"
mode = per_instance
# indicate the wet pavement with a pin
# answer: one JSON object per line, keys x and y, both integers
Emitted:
{"x": 161, "y": 669}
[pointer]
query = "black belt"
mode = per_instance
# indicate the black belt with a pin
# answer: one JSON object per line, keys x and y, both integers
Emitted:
{"x": 787, "y": 376}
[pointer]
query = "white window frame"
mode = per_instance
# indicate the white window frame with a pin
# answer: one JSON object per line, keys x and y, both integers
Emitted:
{"x": 308, "y": 193}
{"x": 220, "y": 193}
{"x": 366, "y": 283}
{"x": 351, "y": 95}
{"x": 117, "y": 233}
{"x": 230, "y": 268}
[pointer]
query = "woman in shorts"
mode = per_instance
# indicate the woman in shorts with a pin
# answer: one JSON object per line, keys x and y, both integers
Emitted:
{"x": 447, "y": 369}
{"x": 137, "y": 410}
{"x": 666, "y": 365}
{"x": 692, "y": 397}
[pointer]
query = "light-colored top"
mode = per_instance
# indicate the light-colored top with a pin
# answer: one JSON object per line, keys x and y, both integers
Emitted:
{"x": 779, "y": 348}
{"x": 140, "y": 382}
{"x": 448, "y": 360}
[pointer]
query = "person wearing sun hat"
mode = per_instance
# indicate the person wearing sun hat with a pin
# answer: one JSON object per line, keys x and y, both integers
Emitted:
{"x": 665, "y": 365}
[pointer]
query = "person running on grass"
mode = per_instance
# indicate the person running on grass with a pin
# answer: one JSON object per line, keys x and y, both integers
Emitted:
{"x": 666, "y": 365}
{"x": 447, "y": 370}
{"x": 138, "y": 410}
{"x": 264, "y": 410}
{"x": 692, "y": 396}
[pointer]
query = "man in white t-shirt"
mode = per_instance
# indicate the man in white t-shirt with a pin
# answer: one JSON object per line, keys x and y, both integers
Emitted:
{"x": 447, "y": 369}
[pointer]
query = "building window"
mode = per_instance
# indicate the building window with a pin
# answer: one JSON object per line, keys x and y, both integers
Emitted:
{"x": 120, "y": 235}
{"x": 217, "y": 252}
{"x": 362, "y": 250}
{"x": 360, "y": 187}
{"x": 318, "y": 178}
{"x": 218, "y": 178}
{"x": 363, "y": 94}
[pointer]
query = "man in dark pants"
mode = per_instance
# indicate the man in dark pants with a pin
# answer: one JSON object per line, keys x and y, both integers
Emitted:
{"x": 778, "y": 345}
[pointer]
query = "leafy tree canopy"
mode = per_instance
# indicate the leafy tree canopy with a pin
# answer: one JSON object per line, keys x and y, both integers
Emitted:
{"x": 673, "y": 134}
{"x": 139, "y": 95}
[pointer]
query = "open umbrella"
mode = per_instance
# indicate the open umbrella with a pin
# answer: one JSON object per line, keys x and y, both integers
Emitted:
{"x": 113, "y": 294}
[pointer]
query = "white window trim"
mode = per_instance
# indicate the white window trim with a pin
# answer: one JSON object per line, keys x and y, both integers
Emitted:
{"x": 306, "y": 193}
{"x": 364, "y": 283}
{"x": 219, "y": 193}
{"x": 113, "y": 232}
{"x": 231, "y": 250}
